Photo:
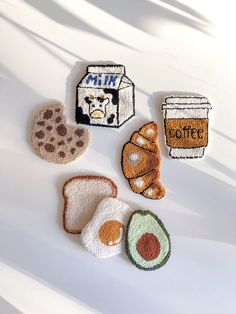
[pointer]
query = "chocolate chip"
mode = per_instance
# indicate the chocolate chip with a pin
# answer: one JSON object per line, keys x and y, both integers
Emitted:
{"x": 61, "y": 143}
{"x": 39, "y": 134}
{"x": 69, "y": 139}
{"x": 52, "y": 139}
{"x": 72, "y": 150}
{"x": 79, "y": 132}
{"x": 48, "y": 114}
{"x": 58, "y": 119}
{"x": 58, "y": 110}
{"x": 40, "y": 144}
{"x": 80, "y": 144}
{"x": 61, "y": 130}
{"x": 61, "y": 154}
{"x": 49, "y": 128}
{"x": 42, "y": 123}
{"x": 49, "y": 148}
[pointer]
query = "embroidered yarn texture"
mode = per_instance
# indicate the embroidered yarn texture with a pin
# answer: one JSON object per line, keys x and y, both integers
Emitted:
{"x": 105, "y": 96}
{"x": 186, "y": 125}
{"x": 103, "y": 235}
{"x": 54, "y": 140}
{"x": 147, "y": 241}
{"x": 82, "y": 194}
{"x": 141, "y": 162}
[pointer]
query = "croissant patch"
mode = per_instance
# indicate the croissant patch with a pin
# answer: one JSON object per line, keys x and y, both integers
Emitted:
{"x": 141, "y": 162}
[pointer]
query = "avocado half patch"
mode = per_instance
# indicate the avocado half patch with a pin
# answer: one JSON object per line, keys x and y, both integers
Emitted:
{"x": 147, "y": 240}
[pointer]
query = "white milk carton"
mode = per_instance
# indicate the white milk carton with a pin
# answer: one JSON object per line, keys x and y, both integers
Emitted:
{"x": 105, "y": 96}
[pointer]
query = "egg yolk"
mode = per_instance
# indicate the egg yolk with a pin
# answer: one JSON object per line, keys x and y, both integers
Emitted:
{"x": 111, "y": 232}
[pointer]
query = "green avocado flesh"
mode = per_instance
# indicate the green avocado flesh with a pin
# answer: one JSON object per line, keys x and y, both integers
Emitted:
{"x": 147, "y": 241}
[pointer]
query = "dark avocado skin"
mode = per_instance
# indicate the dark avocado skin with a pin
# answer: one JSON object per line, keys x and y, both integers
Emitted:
{"x": 144, "y": 213}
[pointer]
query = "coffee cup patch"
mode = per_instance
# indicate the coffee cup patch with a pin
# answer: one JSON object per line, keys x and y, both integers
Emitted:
{"x": 186, "y": 125}
{"x": 105, "y": 96}
{"x": 53, "y": 139}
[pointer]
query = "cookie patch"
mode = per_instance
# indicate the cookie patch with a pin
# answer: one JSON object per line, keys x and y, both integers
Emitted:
{"x": 54, "y": 140}
{"x": 103, "y": 236}
{"x": 141, "y": 162}
{"x": 82, "y": 194}
{"x": 105, "y": 96}
{"x": 186, "y": 125}
{"x": 147, "y": 241}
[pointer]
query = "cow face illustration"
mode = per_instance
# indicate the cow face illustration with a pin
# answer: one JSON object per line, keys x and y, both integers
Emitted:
{"x": 97, "y": 106}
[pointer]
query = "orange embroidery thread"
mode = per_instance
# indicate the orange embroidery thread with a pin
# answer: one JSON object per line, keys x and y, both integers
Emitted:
{"x": 111, "y": 232}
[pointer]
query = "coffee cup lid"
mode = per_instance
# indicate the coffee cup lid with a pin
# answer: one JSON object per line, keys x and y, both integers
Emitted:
{"x": 186, "y": 102}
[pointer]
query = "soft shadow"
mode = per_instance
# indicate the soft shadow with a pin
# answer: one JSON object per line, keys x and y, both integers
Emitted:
{"x": 221, "y": 167}
{"x": 23, "y": 94}
{"x": 227, "y": 137}
{"x": 210, "y": 198}
{"x": 77, "y": 274}
{"x": 7, "y": 308}
{"x": 61, "y": 15}
{"x": 135, "y": 13}
{"x": 155, "y": 101}
{"x": 43, "y": 42}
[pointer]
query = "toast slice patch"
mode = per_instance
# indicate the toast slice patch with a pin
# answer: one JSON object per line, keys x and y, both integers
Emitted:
{"x": 141, "y": 162}
{"x": 82, "y": 194}
{"x": 54, "y": 140}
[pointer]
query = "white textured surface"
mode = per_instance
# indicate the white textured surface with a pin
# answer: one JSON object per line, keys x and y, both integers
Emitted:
{"x": 186, "y": 113}
{"x": 82, "y": 195}
{"x": 166, "y": 46}
{"x": 96, "y": 83}
{"x": 108, "y": 209}
{"x": 186, "y": 107}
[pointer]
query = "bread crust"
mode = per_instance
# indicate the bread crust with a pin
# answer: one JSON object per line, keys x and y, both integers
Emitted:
{"x": 87, "y": 178}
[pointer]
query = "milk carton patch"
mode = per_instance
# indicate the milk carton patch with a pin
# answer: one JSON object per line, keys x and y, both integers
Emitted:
{"x": 186, "y": 125}
{"x": 105, "y": 96}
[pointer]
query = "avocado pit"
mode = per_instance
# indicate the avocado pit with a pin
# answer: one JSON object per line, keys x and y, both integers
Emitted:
{"x": 148, "y": 246}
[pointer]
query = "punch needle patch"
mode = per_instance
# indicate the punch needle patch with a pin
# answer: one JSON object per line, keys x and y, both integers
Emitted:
{"x": 105, "y": 96}
{"x": 141, "y": 162}
{"x": 186, "y": 125}
{"x": 147, "y": 241}
{"x": 103, "y": 236}
{"x": 82, "y": 194}
{"x": 54, "y": 140}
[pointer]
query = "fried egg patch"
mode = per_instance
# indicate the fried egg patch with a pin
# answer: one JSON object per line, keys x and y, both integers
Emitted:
{"x": 103, "y": 236}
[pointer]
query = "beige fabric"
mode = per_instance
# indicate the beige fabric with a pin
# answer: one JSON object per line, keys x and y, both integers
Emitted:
{"x": 53, "y": 139}
{"x": 82, "y": 195}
